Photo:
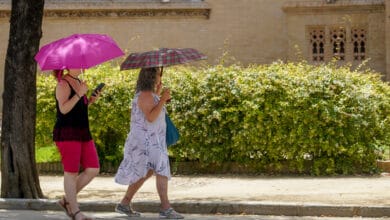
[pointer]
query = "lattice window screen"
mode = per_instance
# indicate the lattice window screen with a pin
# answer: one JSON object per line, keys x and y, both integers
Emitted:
{"x": 317, "y": 43}
{"x": 359, "y": 43}
{"x": 338, "y": 42}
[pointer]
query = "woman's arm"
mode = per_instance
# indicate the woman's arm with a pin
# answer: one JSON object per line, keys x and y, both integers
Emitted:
{"x": 62, "y": 95}
{"x": 148, "y": 107}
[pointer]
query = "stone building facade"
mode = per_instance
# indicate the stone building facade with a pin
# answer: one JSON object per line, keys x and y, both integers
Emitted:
{"x": 251, "y": 31}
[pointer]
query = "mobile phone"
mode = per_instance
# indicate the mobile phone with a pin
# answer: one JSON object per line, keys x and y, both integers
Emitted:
{"x": 98, "y": 88}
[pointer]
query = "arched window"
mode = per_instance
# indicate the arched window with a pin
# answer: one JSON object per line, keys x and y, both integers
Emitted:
{"x": 338, "y": 41}
{"x": 317, "y": 42}
{"x": 359, "y": 38}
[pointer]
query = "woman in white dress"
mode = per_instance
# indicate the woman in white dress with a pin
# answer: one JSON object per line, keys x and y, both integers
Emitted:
{"x": 145, "y": 150}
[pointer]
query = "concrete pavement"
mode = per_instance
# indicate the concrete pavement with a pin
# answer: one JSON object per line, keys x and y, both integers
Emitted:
{"x": 252, "y": 195}
{"x": 55, "y": 215}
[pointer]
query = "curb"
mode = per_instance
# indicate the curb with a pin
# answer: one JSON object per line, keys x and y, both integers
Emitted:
{"x": 249, "y": 208}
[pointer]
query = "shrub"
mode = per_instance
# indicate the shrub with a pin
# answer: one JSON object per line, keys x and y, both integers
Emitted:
{"x": 321, "y": 119}
{"x": 316, "y": 119}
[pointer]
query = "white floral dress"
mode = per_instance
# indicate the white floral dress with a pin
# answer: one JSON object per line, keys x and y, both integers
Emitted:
{"x": 145, "y": 147}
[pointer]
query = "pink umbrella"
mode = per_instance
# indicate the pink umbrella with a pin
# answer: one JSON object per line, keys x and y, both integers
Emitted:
{"x": 78, "y": 51}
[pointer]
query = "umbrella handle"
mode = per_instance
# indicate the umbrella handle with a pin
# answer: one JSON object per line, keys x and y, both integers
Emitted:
{"x": 169, "y": 100}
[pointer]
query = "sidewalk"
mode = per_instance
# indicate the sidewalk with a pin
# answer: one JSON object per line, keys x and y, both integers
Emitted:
{"x": 290, "y": 196}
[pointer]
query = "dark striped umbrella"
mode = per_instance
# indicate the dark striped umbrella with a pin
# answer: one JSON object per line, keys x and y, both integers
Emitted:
{"x": 161, "y": 57}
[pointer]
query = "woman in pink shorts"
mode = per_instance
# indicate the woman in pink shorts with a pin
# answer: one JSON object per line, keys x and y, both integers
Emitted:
{"x": 73, "y": 138}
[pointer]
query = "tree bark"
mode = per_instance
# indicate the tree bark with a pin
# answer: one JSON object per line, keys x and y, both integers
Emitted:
{"x": 19, "y": 175}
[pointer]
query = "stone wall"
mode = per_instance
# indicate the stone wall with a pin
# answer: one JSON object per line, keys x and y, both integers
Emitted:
{"x": 366, "y": 15}
{"x": 252, "y": 31}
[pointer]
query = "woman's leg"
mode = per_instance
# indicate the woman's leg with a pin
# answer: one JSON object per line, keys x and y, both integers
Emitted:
{"x": 70, "y": 188}
{"x": 166, "y": 210}
{"x": 89, "y": 159}
{"x": 85, "y": 177}
{"x": 73, "y": 184}
{"x": 133, "y": 188}
{"x": 70, "y": 156}
{"x": 73, "y": 153}
{"x": 162, "y": 189}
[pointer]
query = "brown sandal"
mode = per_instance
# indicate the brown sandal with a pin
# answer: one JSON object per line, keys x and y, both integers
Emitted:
{"x": 73, "y": 216}
{"x": 64, "y": 206}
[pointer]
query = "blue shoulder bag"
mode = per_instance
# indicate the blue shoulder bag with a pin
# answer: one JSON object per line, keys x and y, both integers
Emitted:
{"x": 172, "y": 133}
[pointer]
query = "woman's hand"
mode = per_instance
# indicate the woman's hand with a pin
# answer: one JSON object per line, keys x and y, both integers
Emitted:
{"x": 93, "y": 98}
{"x": 166, "y": 95}
{"x": 158, "y": 88}
{"x": 83, "y": 89}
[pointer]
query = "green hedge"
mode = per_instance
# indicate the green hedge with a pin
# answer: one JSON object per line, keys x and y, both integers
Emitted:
{"x": 310, "y": 119}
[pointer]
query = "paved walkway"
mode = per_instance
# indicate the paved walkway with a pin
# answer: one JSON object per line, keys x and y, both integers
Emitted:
{"x": 56, "y": 215}
{"x": 291, "y": 196}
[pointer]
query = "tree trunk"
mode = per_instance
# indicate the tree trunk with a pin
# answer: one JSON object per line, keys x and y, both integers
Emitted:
{"x": 19, "y": 175}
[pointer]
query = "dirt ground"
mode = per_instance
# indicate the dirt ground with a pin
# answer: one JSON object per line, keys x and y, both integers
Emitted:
{"x": 332, "y": 190}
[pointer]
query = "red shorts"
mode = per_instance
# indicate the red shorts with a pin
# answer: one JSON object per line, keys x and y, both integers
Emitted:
{"x": 74, "y": 153}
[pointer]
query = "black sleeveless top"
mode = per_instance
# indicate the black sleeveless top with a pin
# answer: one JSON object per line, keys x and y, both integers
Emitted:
{"x": 74, "y": 125}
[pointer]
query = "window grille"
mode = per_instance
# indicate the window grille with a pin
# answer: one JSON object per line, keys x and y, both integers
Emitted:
{"x": 359, "y": 39}
{"x": 338, "y": 42}
{"x": 317, "y": 44}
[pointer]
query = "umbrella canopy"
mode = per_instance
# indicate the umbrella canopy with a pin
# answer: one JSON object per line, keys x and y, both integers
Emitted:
{"x": 162, "y": 57}
{"x": 78, "y": 51}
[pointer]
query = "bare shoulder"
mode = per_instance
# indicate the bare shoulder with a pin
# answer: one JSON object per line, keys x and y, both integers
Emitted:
{"x": 146, "y": 95}
{"x": 146, "y": 99}
{"x": 62, "y": 86}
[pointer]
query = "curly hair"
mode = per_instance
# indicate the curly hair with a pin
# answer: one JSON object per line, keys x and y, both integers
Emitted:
{"x": 147, "y": 79}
